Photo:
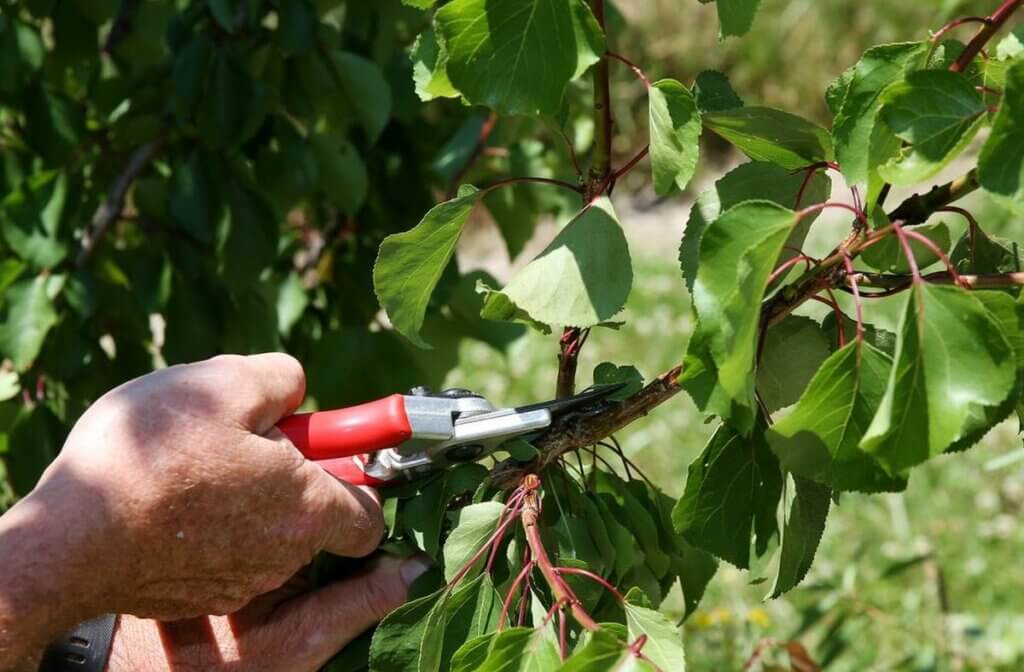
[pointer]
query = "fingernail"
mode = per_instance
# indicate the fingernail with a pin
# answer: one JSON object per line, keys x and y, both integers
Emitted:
{"x": 414, "y": 567}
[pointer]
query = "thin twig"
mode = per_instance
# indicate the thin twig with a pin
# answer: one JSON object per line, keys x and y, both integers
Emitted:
{"x": 111, "y": 208}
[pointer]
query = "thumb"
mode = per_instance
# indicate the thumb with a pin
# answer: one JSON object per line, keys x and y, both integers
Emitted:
{"x": 320, "y": 623}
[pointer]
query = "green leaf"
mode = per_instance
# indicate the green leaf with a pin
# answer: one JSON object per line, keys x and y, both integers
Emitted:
{"x": 9, "y": 385}
{"x": 950, "y": 363}
{"x": 936, "y": 113}
{"x": 1001, "y": 163}
{"x": 854, "y": 128}
{"x": 31, "y": 218}
{"x": 616, "y": 496}
{"x": 696, "y": 569}
{"x": 714, "y": 93}
{"x": 35, "y": 437}
{"x": 751, "y": 181}
{"x": 27, "y": 317}
{"x": 887, "y": 254}
{"x": 473, "y": 653}
{"x": 400, "y": 638}
{"x": 193, "y": 200}
{"x": 343, "y": 177}
{"x": 793, "y": 350}
{"x": 732, "y": 490}
{"x": 675, "y": 134}
{"x": 737, "y": 254}
{"x": 603, "y": 652}
{"x": 292, "y": 300}
{"x": 425, "y": 634}
{"x": 224, "y": 13}
{"x": 801, "y": 533}
{"x": 664, "y": 646}
{"x": 607, "y": 373}
{"x": 234, "y": 104}
{"x": 581, "y": 279}
{"x": 247, "y": 239}
{"x": 409, "y": 264}
{"x": 819, "y": 439}
{"x": 736, "y": 16}
{"x": 987, "y": 254}
{"x": 477, "y": 522}
{"x": 296, "y": 26}
{"x": 517, "y": 56}
{"x": 363, "y": 91}
{"x": 1012, "y": 45}
{"x": 767, "y": 134}
{"x": 521, "y": 650}
{"x": 429, "y": 68}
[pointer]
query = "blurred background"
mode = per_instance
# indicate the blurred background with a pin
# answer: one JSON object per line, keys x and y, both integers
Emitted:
{"x": 270, "y": 183}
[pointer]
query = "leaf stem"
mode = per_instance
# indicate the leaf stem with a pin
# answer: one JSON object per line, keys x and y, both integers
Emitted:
{"x": 631, "y": 163}
{"x": 507, "y": 604}
{"x": 632, "y": 66}
{"x": 857, "y": 303}
{"x": 593, "y": 577}
{"x": 530, "y": 180}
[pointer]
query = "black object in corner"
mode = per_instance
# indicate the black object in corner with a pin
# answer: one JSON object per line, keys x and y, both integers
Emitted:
{"x": 84, "y": 648}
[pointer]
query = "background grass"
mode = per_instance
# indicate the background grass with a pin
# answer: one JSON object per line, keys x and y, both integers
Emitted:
{"x": 930, "y": 579}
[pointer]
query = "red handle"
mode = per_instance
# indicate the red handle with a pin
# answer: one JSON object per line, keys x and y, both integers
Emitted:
{"x": 334, "y": 438}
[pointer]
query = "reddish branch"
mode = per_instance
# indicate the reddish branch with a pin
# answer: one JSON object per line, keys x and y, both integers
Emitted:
{"x": 992, "y": 24}
{"x": 559, "y": 588}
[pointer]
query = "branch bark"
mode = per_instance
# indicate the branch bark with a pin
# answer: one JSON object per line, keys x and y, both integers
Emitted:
{"x": 112, "y": 207}
{"x": 601, "y": 165}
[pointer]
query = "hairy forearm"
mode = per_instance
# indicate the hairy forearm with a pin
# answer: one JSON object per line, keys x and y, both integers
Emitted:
{"x": 44, "y": 586}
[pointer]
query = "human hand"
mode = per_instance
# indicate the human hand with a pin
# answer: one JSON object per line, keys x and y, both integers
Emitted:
{"x": 193, "y": 502}
{"x": 293, "y": 628}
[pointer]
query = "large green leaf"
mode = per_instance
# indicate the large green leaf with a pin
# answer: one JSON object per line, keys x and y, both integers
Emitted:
{"x": 767, "y": 134}
{"x": 936, "y": 113}
{"x": 341, "y": 171}
{"x": 950, "y": 363}
{"x": 732, "y": 491}
{"x": 517, "y": 56}
{"x": 819, "y": 439}
{"x": 793, "y": 350}
{"x": 424, "y": 634}
{"x": 754, "y": 180}
{"x": 854, "y": 134}
{"x": 27, "y": 318}
{"x": 1001, "y": 164}
{"x": 675, "y": 135}
{"x": 737, "y": 254}
{"x": 664, "y": 646}
{"x": 581, "y": 279}
{"x": 477, "y": 522}
{"x": 362, "y": 90}
{"x": 409, "y": 264}
{"x": 801, "y": 533}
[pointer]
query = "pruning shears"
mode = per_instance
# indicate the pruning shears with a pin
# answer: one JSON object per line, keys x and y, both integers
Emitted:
{"x": 403, "y": 436}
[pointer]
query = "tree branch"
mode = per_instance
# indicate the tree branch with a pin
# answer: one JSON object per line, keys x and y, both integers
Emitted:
{"x": 111, "y": 208}
{"x": 601, "y": 166}
{"x": 919, "y": 207}
{"x": 898, "y": 281}
{"x": 992, "y": 25}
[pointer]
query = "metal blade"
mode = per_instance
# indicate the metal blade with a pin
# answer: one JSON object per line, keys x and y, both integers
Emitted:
{"x": 568, "y": 404}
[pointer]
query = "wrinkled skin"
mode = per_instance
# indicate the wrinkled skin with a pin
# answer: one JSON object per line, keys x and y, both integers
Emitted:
{"x": 175, "y": 497}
